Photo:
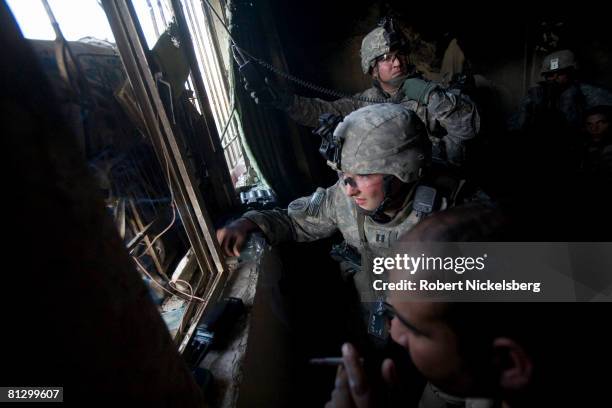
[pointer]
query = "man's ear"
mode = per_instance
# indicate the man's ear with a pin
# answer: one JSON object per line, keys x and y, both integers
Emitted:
{"x": 515, "y": 365}
{"x": 375, "y": 71}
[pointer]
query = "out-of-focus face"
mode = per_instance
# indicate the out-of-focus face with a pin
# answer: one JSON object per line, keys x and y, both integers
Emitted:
{"x": 597, "y": 125}
{"x": 432, "y": 344}
{"x": 390, "y": 66}
{"x": 367, "y": 190}
{"x": 561, "y": 78}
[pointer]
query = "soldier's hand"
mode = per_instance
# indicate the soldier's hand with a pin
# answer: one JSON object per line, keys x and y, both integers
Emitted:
{"x": 269, "y": 95}
{"x": 232, "y": 237}
{"x": 351, "y": 387}
{"x": 418, "y": 89}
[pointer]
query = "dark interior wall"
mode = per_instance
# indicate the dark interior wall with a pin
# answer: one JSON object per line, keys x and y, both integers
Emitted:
{"x": 321, "y": 40}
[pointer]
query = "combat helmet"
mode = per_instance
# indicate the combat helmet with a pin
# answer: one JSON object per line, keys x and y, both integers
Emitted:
{"x": 558, "y": 61}
{"x": 383, "y": 138}
{"x": 386, "y": 139}
{"x": 381, "y": 40}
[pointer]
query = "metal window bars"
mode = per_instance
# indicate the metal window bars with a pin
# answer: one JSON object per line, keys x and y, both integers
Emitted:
{"x": 187, "y": 198}
{"x": 210, "y": 61}
{"x": 212, "y": 58}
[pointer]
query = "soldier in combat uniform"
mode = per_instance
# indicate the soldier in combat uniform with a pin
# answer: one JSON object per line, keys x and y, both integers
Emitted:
{"x": 382, "y": 192}
{"x": 451, "y": 118}
{"x": 560, "y": 97}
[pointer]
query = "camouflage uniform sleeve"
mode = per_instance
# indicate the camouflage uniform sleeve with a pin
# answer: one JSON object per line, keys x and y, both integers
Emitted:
{"x": 595, "y": 96}
{"x": 306, "y": 219}
{"x": 458, "y": 115}
{"x": 306, "y": 111}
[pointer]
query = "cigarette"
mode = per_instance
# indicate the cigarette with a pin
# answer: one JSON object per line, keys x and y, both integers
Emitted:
{"x": 329, "y": 361}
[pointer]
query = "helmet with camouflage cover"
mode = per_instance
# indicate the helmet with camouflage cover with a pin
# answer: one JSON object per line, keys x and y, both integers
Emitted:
{"x": 383, "y": 139}
{"x": 379, "y": 41}
{"x": 557, "y": 61}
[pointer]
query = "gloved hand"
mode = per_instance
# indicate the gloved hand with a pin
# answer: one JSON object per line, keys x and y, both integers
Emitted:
{"x": 269, "y": 95}
{"x": 418, "y": 89}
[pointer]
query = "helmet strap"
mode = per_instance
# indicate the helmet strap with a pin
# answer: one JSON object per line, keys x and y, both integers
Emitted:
{"x": 389, "y": 198}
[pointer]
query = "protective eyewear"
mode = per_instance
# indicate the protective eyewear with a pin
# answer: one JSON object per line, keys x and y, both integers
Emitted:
{"x": 357, "y": 180}
{"x": 390, "y": 57}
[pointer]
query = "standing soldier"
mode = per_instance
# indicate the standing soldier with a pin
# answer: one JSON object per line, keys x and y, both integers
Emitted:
{"x": 451, "y": 118}
{"x": 560, "y": 99}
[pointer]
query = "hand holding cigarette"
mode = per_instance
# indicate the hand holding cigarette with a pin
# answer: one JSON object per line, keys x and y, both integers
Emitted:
{"x": 351, "y": 386}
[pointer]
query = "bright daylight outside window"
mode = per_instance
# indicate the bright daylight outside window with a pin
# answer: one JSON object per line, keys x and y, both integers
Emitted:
{"x": 86, "y": 19}
{"x": 211, "y": 45}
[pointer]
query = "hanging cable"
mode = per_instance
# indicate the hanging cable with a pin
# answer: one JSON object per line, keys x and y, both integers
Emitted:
{"x": 273, "y": 69}
{"x": 173, "y": 211}
{"x": 172, "y": 285}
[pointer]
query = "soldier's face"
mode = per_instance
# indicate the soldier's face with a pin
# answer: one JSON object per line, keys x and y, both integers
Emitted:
{"x": 390, "y": 66}
{"x": 366, "y": 189}
{"x": 561, "y": 78}
{"x": 597, "y": 125}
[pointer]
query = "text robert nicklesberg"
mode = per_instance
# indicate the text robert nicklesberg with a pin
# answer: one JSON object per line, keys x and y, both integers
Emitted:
{"x": 466, "y": 285}
{"x": 458, "y": 265}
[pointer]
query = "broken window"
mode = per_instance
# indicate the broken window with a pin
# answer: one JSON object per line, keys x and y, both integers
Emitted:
{"x": 152, "y": 146}
{"x": 211, "y": 46}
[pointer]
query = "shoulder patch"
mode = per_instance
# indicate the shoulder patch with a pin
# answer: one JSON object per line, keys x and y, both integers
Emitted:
{"x": 298, "y": 205}
{"x": 315, "y": 202}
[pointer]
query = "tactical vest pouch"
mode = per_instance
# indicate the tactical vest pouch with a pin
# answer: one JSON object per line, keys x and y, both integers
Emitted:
{"x": 377, "y": 322}
{"x": 425, "y": 200}
{"x": 315, "y": 202}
